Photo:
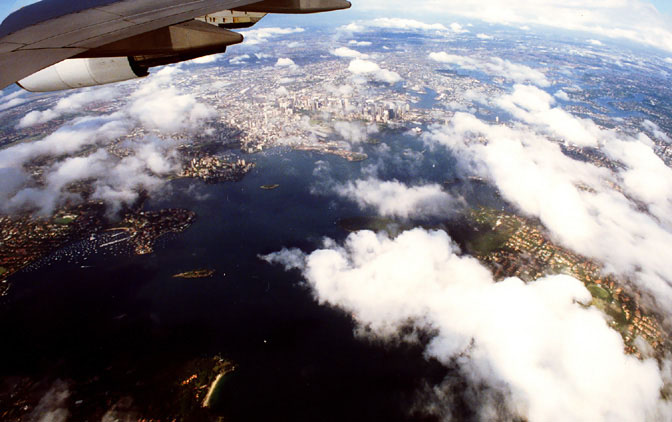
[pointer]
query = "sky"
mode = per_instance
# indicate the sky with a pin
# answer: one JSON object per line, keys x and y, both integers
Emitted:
{"x": 644, "y": 21}
{"x": 664, "y": 6}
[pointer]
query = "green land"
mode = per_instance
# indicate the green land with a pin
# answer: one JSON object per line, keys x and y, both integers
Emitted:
{"x": 195, "y": 274}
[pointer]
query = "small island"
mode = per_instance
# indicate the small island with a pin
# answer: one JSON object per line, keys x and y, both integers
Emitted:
{"x": 269, "y": 187}
{"x": 195, "y": 274}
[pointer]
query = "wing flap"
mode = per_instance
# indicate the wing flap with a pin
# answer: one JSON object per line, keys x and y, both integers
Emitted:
{"x": 6, "y": 47}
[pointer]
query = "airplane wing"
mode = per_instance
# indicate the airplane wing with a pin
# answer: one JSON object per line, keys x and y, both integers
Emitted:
{"x": 113, "y": 40}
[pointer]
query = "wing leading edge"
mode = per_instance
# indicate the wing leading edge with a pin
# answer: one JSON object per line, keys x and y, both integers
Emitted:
{"x": 152, "y": 32}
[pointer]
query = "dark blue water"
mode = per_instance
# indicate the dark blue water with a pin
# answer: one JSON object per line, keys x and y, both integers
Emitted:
{"x": 115, "y": 327}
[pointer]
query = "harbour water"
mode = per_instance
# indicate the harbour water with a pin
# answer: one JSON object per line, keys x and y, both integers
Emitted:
{"x": 113, "y": 324}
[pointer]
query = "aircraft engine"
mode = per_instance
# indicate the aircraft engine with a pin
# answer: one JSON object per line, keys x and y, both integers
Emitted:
{"x": 79, "y": 73}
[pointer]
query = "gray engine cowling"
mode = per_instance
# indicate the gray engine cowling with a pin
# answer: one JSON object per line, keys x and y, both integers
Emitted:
{"x": 80, "y": 73}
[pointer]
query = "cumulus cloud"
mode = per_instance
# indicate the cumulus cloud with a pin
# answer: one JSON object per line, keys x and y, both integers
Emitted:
{"x": 360, "y": 43}
{"x": 634, "y": 20}
{"x": 116, "y": 181}
{"x": 351, "y": 27}
{"x": 159, "y": 105}
{"x": 534, "y": 106}
{"x": 340, "y": 90}
{"x": 395, "y": 199}
{"x": 168, "y": 110}
{"x": 457, "y": 28}
{"x": 285, "y": 62}
{"x": 348, "y": 53}
{"x": 373, "y": 70}
{"x": 597, "y": 43}
{"x": 561, "y": 95}
{"x": 37, "y": 117}
{"x": 515, "y": 344}
{"x": 355, "y": 132}
{"x": 576, "y": 200}
{"x": 494, "y": 66}
{"x": 70, "y": 104}
{"x": 484, "y": 36}
{"x": 258, "y": 36}
{"x": 208, "y": 59}
{"x": 656, "y": 131}
{"x": 239, "y": 59}
{"x": 12, "y": 100}
{"x": 69, "y": 139}
{"x": 79, "y": 149}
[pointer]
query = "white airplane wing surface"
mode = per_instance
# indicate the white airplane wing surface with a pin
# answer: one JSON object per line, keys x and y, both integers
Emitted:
{"x": 114, "y": 40}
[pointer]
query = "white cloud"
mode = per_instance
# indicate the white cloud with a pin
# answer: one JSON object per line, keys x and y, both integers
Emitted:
{"x": 82, "y": 98}
{"x": 597, "y": 43}
{"x": 394, "y": 199}
{"x": 258, "y": 36}
{"x": 340, "y": 90}
{"x": 372, "y": 69}
{"x": 69, "y": 139}
{"x": 561, "y": 95}
{"x": 167, "y": 110}
{"x": 534, "y": 106}
{"x": 117, "y": 181}
{"x": 534, "y": 174}
{"x": 239, "y": 59}
{"x": 37, "y": 117}
{"x": 669, "y": 60}
{"x": 349, "y": 53}
{"x": 351, "y": 27}
{"x": 394, "y": 23}
{"x": 289, "y": 258}
{"x": 285, "y": 62}
{"x": 12, "y": 100}
{"x": 656, "y": 131}
{"x": 457, "y": 28}
{"x": 363, "y": 66}
{"x": 360, "y": 43}
{"x": 484, "y": 36}
{"x": 68, "y": 105}
{"x": 634, "y": 20}
{"x": 494, "y": 66}
{"x": 355, "y": 132}
{"x": 208, "y": 59}
{"x": 515, "y": 344}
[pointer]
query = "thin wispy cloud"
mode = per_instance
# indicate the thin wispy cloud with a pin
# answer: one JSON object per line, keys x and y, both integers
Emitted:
{"x": 633, "y": 20}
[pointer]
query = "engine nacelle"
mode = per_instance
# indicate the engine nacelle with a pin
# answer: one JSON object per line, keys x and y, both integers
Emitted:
{"x": 80, "y": 73}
